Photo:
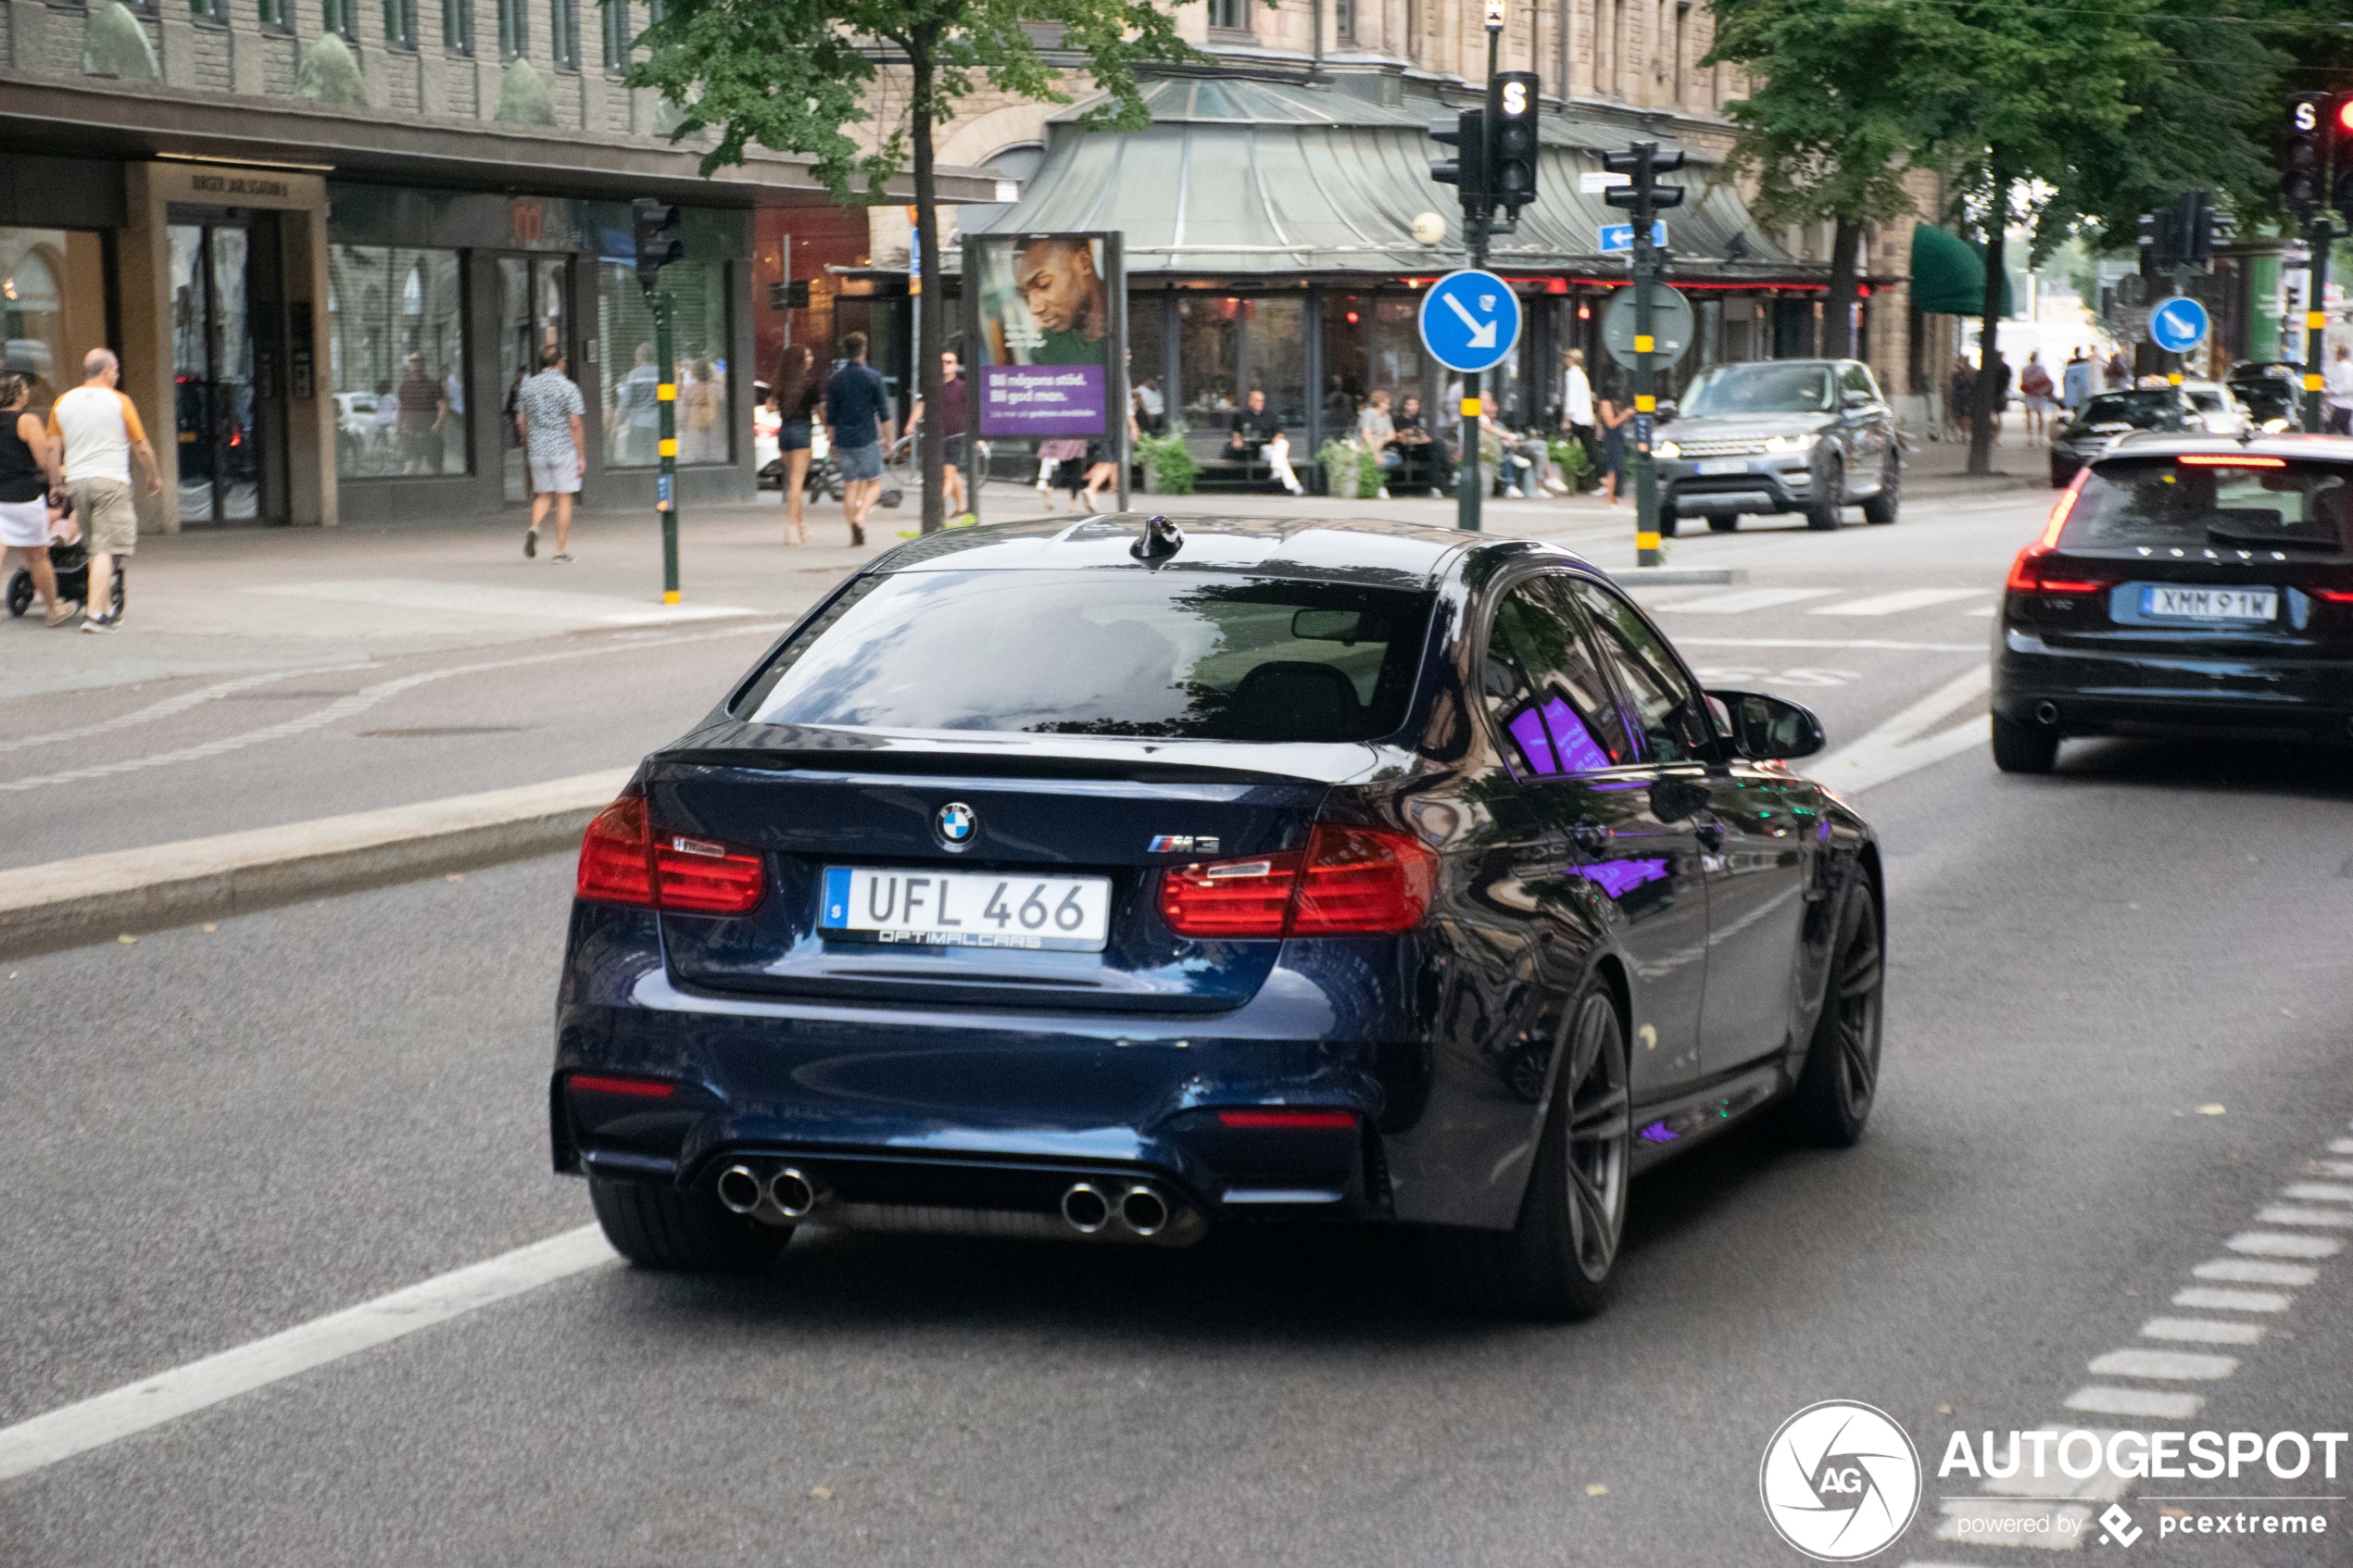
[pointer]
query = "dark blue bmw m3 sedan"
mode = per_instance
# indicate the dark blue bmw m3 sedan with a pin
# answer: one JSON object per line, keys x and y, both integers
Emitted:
{"x": 1119, "y": 879}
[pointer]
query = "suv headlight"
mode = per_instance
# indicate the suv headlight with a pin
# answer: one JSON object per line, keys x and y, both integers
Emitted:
{"x": 1667, "y": 449}
{"x": 1791, "y": 442}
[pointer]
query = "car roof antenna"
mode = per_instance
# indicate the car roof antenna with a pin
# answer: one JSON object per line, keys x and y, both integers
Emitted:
{"x": 1160, "y": 540}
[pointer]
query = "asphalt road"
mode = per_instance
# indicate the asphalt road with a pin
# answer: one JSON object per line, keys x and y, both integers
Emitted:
{"x": 213, "y": 1135}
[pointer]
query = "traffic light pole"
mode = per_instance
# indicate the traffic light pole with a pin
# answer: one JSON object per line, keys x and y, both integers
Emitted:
{"x": 1646, "y": 546}
{"x": 1470, "y": 490}
{"x": 666, "y": 483}
{"x": 2321, "y": 235}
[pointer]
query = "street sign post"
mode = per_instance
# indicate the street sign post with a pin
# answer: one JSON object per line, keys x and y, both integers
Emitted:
{"x": 1470, "y": 321}
{"x": 1643, "y": 195}
{"x": 1496, "y": 166}
{"x": 2178, "y": 325}
{"x": 655, "y": 226}
{"x": 1673, "y": 324}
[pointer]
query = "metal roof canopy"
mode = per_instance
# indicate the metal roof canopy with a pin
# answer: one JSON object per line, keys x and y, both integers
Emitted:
{"x": 1246, "y": 176}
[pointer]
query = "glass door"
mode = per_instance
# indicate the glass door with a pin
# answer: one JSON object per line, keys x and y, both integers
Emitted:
{"x": 223, "y": 447}
{"x": 532, "y": 295}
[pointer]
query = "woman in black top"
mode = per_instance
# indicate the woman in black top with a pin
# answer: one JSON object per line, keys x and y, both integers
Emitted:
{"x": 28, "y": 474}
{"x": 799, "y": 396}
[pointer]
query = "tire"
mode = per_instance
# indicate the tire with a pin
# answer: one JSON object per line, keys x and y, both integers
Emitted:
{"x": 19, "y": 592}
{"x": 1724, "y": 525}
{"x": 1668, "y": 521}
{"x": 1554, "y": 1264}
{"x": 1883, "y": 507}
{"x": 2063, "y": 474}
{"x": 1840, "y": 1077}
{"x": 2024, "y": 748}
{"x": 660, "y": 1227}
{"x": 1822, "y": 516}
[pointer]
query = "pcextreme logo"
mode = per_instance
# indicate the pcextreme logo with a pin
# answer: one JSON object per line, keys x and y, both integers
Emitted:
{"x": 1841, "y": 1481}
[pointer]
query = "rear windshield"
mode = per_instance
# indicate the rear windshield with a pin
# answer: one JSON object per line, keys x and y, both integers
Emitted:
{"x": 1094, "y": 653}
{"x": 2213, "y": 501}
{"x": 1760, "y": 389}
{"x": 2143, "y": 410}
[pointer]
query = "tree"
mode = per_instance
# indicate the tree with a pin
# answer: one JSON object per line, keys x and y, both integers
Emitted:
{"x": 796, "y": 76}
{"x": 1829, "y": 128}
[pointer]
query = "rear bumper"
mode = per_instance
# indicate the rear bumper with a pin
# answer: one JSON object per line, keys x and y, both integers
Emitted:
{"x": 956, "y": 1107}
{"x": 2091, "y": 692}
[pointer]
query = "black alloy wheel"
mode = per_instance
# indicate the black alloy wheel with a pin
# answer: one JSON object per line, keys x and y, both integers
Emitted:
{"x": 2024, "y": 749}
{"x": 1554, "y": 1264}
{"x": 1841, "y": 1078}
{"x": 1823, "y": 515}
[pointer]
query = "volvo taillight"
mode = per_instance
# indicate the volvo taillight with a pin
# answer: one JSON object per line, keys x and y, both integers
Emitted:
{"x": 1349, "y": 881}
{"x": 625, "y": 860}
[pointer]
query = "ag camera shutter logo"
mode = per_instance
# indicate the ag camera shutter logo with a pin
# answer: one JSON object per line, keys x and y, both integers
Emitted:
{"x": 1840, "y": 1481}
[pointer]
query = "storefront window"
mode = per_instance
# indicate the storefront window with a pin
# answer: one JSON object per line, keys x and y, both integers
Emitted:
{"x": 1396, "y": 361}
{"x": 395, "y": 361}
{"x": 1148, "y": 360}
{"x": 626, "y": 338}
{"x": 1209, "y": 350}
{"x": 1348, "y": 330}
{"x": 52, "y": 308}
{"x": 1275, "y": 355}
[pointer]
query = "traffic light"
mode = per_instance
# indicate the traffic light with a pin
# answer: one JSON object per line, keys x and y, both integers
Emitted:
{"x": 1512, "y": 144}
{"x": 658, "y": 243}
{"x": 2340, "y": 128}
{"x": 2303, "y": 152}
{"x": 1466, "y": 170}
{"x": 1642, "y": 195}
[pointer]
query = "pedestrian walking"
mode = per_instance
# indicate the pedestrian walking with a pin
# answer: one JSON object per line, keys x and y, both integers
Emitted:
{"x": 2075, "y": 381}
{"x": 857, "y": 422}
{"x": 2336, "y": 393}
{"x": 101, "y": 434}
{"x": 954, "y": 430}
{"x": 420, "y": 409}
{"x": 1613, "y": 418}
{"x": 1960, "y": 397}
{"x": 29, "y": 474}
{"x": 798, "y": 399}
{"x": 2119, "y": 371}
{"x": 2034, "y": 385}
{"x": 549, "y": 409}
{"x": 1577, "y": 412}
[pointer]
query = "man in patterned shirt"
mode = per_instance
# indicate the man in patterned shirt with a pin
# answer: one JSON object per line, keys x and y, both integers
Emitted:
{"x": 549, "y": 409}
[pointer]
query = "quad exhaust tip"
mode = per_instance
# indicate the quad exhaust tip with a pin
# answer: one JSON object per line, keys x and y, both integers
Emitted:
{"x": 739, "y": 1189}
{"x": 1085, "y": 1207}
{"x": 793, "y": 1193}
{"x": 1144, "y": 1210}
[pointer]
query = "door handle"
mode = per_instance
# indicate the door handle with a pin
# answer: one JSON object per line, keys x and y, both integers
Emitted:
{"x": 1591, "y": 837}
{"x": 1710, "y": 832}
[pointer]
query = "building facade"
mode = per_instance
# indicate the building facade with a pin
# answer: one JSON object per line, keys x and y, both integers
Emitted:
{"x": 325, "y": 237}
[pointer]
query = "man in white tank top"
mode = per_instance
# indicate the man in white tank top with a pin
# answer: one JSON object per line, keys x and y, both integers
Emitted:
{"x": 102, "y": 433}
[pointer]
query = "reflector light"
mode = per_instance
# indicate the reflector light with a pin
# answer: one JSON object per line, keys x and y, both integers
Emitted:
{"x": 2334, "y": 596}
{"x": 2201, "y": 460}
{"x": 1350, "y": 882}
{"x": 1334, "y": 1121}
{"x": 621, "y": 863}
{"x": 638, "y": 1088}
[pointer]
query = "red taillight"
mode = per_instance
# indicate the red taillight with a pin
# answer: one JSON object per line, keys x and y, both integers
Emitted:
{"x": 635, "y": 1088}
{"x": 1326, "y": 1121}
{"x": 2334, "y": 596}
{"x": 1350, "y": 882}
{"x": 614, "y": 867}
{"x": 622, "y": 862}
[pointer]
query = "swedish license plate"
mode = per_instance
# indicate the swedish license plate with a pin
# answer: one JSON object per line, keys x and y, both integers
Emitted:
{"x": 2211, "y": 604}
{"x": 1724, "y": 465}
{"x": 939, "y": 909}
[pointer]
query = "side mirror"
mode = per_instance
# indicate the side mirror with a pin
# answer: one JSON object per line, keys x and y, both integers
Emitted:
{"x": 1769, "y": 728}
{"x": 1857, "y": 399}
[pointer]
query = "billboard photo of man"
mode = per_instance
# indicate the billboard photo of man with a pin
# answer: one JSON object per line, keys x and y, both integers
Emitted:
{"x": 1063, "y": 289}
{"x": 1045, "y": 328}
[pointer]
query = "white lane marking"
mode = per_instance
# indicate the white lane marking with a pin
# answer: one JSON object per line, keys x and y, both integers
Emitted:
{"x": 502, "y": 603}
{"x": 1892, "y": 750}
{"x": 1899, "y": 601}
{"x": 2178, "y": 1365}
{"x": 1882, "y": 644}
{"x": 1743, "y": 600}
{"x": 2318, "y": 1192}
{"x": 2271, "y": 1244}
{"x": 172, "y": 705}
{"x": 2327, "y": 1218}
{"x": 2341, "y": 1146}
{"x": 2248, "y": 1271}
{"x": 1991, "y": 1521}
{"x": 1987, "y": 611}
{"x": 33, "y": 1445}
{"x": 2202, "y": 1331}
{"x": 2101, "y": 1399}
{"x": 2333, "y": 1167}
{"x": 346, "y": 707}
{"x": 2209, "y": 1299}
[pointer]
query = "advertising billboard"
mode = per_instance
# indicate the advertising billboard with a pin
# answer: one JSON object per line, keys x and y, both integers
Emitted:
{"x": 1047, "y": 322}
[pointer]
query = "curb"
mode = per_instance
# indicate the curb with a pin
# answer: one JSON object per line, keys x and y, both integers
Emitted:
{"x": 64, "y": 903}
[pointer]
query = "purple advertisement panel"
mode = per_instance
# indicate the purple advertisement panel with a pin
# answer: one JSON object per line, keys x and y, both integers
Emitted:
{"x": 1041, "y": 401}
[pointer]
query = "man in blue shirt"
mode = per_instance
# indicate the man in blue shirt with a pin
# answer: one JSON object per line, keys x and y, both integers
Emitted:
{"x": 857, "y": 422}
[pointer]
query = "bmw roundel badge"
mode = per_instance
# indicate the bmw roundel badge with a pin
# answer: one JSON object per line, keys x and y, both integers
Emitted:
{"x": 957, "y": 824}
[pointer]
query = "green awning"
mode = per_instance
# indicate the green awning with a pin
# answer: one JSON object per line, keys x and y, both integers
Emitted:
{"x": 1948, "y": 274}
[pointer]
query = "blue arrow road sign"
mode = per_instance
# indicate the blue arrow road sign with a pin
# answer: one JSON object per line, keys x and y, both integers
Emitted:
{"x": 1470, "y": 321}
{"x": 2177, "y": 325}
{"x": 1618, "y": 238}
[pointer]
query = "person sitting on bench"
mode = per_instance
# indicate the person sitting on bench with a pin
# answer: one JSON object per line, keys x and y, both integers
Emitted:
{"x": 1257, "y": 431}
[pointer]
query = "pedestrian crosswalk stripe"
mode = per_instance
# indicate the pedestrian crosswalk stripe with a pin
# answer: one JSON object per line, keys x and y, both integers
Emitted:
{"x": 1743, "y": 600}
{"x": 2100, "y": 1400}
{"x": 1902, "y": 599}
{"x": 2202, "y": 1331}
{"x": 2179, "y": 1365}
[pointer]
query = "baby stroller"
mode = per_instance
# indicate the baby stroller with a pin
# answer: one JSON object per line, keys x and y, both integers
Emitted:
{"x": 71, "y": 564}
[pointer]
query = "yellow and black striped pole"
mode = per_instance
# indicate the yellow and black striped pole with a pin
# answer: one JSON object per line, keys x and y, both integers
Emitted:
{"x": 666, "y": 483}
{"x": 2315, "y": 323}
